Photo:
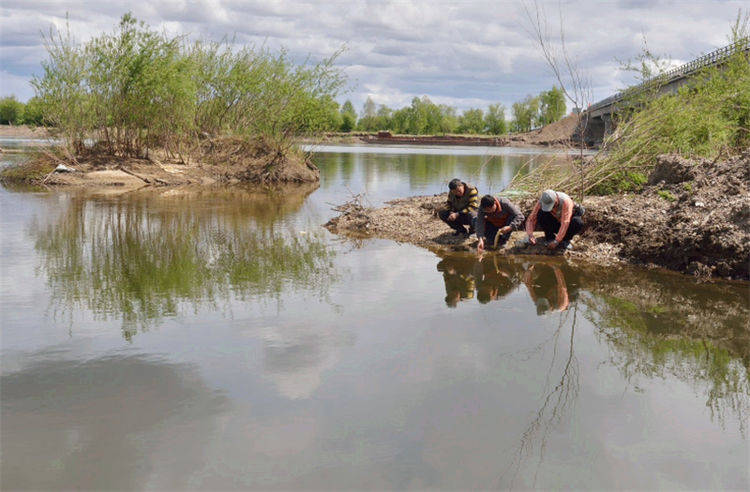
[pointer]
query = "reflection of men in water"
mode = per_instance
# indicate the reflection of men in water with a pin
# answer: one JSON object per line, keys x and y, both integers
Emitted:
{"x": 496, "y": 216}
{"x": 461, "y": 207}
{"x": 549, "y": 292}
{"x": 558, "y": 216}
{"x": 459, "y": 282}
{"x": 495, "y": 279}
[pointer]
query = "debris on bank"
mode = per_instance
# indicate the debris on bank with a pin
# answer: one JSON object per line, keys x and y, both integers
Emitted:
{"x": 692, "y": 217}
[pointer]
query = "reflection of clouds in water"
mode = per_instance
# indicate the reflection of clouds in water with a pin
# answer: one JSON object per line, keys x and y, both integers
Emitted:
{"x": 295, "y": 357}
{"x": 129, "y": 421}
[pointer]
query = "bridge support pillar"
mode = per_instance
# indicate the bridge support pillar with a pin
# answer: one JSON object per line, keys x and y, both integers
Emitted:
{"x": 609, "y": 126}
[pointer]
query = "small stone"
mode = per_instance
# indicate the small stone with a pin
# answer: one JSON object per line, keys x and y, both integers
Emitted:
{"x": 700, "y": 204}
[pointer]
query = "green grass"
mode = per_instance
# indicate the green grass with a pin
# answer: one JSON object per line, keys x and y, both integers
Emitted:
{"x": 667, "y": 195}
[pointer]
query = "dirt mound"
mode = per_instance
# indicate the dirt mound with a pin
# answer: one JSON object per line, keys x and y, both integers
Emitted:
{"x": 673, "y": 169}
{"x": 699, "y": 226}
{"x": 558, "y": 133}
{"x": 258, "y": 162}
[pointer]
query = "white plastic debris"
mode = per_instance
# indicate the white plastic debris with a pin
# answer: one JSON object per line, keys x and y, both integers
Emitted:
{"x": 700, "y": 204}
{"x": 62, "y": 168}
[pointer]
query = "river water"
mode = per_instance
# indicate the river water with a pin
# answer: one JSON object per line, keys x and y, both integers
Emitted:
{"x": 222, "y": 339}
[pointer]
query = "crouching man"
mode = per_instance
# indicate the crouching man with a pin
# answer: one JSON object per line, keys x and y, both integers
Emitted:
{"x": 462, "y": 204}
{"x": 497, "y": 218}
{"x": 558, "y": 216}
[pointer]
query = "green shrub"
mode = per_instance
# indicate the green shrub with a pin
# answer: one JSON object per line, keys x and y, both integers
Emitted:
{"x": 705, "y": 117}
{"x": 135, "y": 88}
{"x": 33, "y": 112}
{"x": 624, "y": 182}
{"x": 11, "y": 111}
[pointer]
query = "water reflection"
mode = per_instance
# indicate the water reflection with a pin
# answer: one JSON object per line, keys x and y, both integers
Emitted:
{"x": 140, "y": 257}
{"x": 549, "y": 288}
{"x": 409, "y": 174}
{"x": 653, "y": 324}
{"x": 295, "y": 357}
{"x": 72, "y": 424}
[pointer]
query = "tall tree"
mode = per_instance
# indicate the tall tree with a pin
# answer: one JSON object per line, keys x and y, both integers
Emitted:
{"x": 525, "y": 114}
{"x": 552, "y": 106}
{"x": 471, "y": 121}
{"x": 348, "y": 117}
{"x": 494, "y": 120}
{"x": 368, "y": 120}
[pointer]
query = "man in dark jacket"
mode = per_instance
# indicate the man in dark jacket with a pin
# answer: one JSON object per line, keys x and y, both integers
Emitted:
{"x": 462, "y": 204}
{"x": 497, "y": 216}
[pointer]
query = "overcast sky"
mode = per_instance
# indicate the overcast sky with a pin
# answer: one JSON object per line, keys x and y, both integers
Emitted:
{"x": 463, "y": 53}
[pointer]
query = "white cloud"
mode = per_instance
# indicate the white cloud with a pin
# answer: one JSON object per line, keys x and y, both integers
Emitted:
{"x": 464, "y": 53}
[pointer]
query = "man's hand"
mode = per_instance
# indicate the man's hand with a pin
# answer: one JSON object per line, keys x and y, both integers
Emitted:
{"x": 480, "y": 246}
{"x": 532, "y": 240}
{"x": 552, "y": 244}
{"x": 452, "y": 216}
{"x": 506, "y": 230}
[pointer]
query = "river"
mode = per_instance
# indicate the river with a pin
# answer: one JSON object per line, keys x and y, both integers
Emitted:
{"x": 221, "y": 339}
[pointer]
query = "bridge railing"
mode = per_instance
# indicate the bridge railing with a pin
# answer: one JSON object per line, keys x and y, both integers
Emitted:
{"x": 709, "y": 59}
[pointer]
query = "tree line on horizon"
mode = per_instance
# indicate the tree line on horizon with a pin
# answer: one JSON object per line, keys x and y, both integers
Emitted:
{"x": 421, "y": 117}
{"x": 424, "y": 117}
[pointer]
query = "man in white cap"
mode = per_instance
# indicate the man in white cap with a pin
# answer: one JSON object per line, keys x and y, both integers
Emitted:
{"x": 558, "y": 216}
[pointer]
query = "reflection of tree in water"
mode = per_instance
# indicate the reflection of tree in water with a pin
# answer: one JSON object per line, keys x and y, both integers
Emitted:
{"x": 560, "y": 390}
{"x": 656, "y": 325}
{"x": 425, "y": 169}
{"x": 139, "y": 257}
{"x": 660, "y": 326}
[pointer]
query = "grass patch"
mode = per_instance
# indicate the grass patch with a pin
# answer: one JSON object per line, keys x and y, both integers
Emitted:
{"x": 667, "y": 195}
{"x": 31, "y": 171}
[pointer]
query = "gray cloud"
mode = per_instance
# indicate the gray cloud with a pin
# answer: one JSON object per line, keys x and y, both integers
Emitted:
{"x": 467, "y": 53}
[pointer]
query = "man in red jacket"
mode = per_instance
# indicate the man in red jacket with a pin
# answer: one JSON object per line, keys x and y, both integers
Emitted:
{"x": 496, "y": 216}
{"x": 559, "y": 217}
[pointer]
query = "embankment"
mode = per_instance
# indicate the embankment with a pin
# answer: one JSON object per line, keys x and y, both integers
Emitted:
{"x": 558, "y": 134}
{"x": 693, "y": 217}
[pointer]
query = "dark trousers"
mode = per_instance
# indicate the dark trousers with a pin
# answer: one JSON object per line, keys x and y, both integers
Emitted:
{"x": 550, "y": 225}
{"x": 490, "y": 230}
{"x": 460, "y": 222}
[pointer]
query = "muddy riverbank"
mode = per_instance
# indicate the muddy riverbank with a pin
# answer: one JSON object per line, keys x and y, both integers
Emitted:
{"x": 692, "y": 217}
{"x": 224, "y": 161}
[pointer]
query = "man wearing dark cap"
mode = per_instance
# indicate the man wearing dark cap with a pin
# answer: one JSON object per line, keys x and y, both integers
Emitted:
{"x": 559, "y": 217}
{"x": 497, "y": 218}
{"x": 461, "y": 207}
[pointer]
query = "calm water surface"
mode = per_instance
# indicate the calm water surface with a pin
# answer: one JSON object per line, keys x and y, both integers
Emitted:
{"x": 222, "y": 339}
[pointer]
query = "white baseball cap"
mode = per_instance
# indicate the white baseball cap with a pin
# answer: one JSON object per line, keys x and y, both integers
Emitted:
{"x": 547, "y": 200}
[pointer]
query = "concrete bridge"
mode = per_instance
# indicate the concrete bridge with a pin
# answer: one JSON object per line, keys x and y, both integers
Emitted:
{"x": 598, "y": 117}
